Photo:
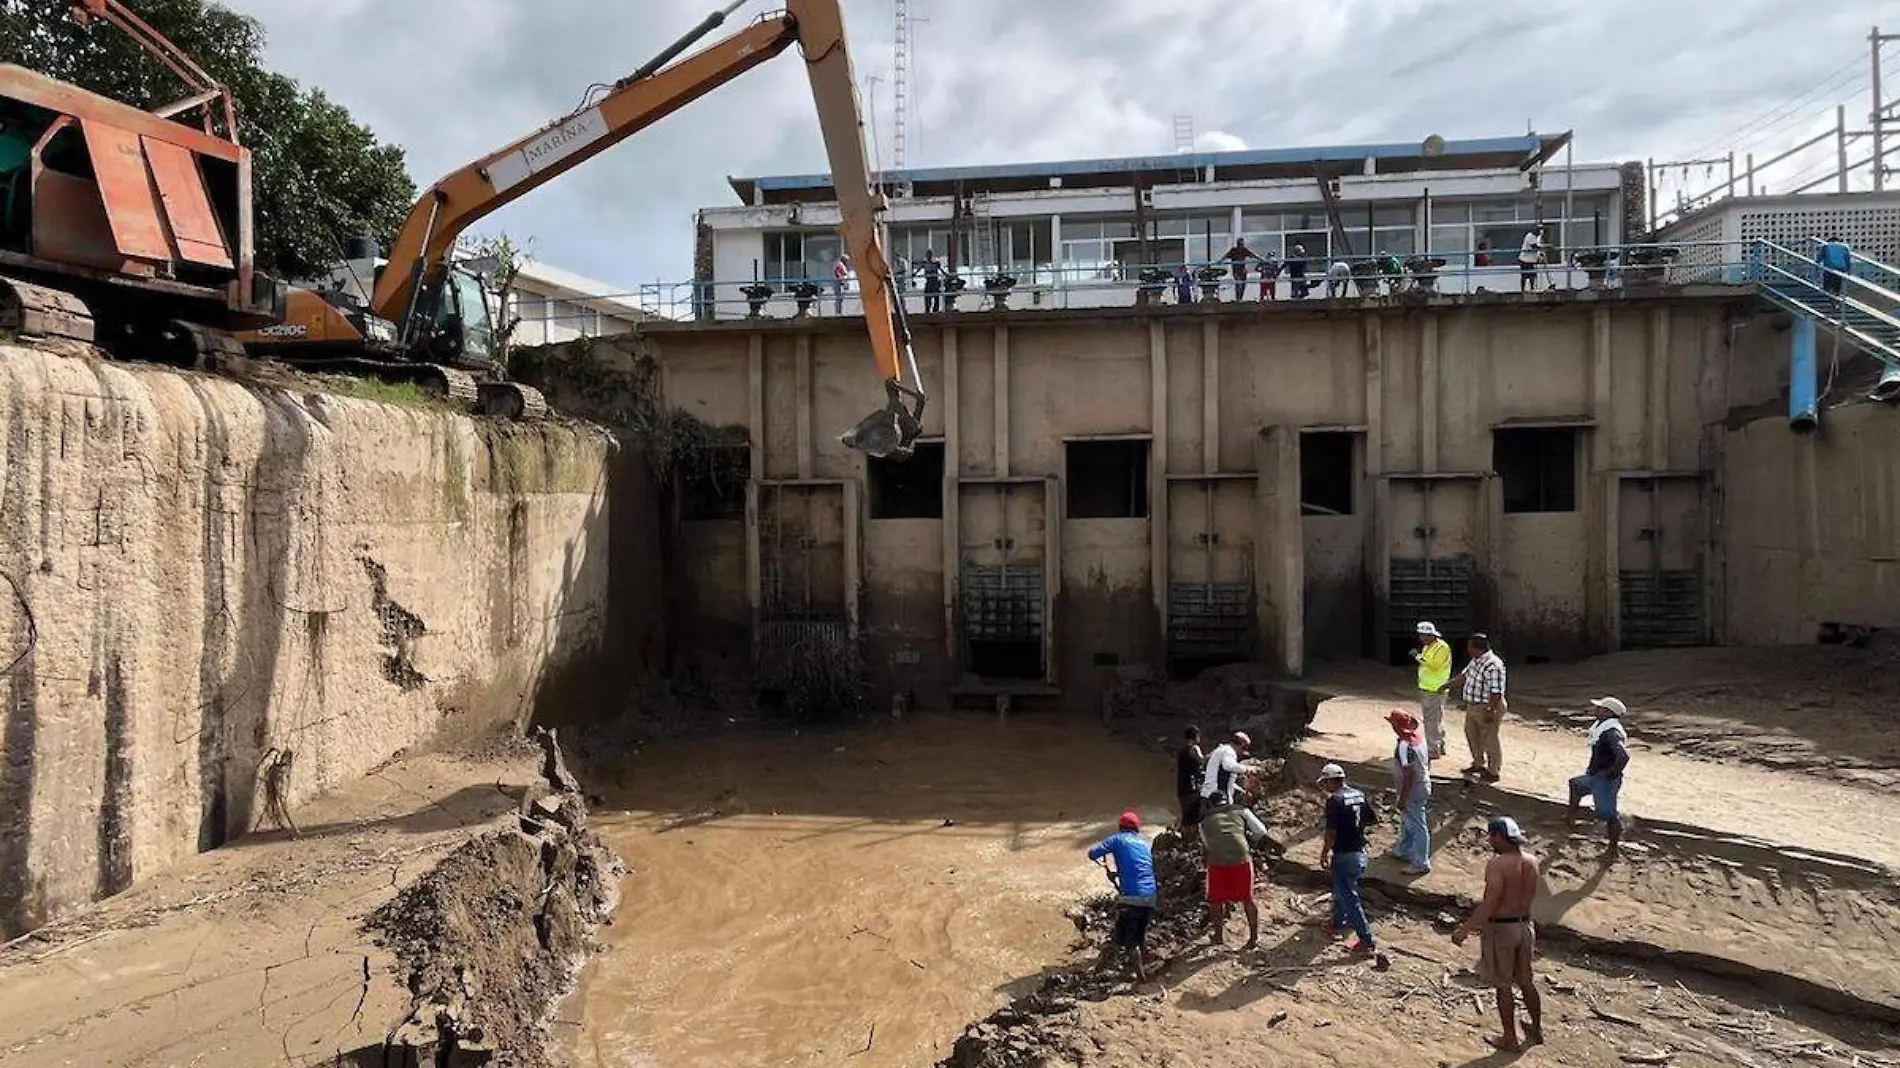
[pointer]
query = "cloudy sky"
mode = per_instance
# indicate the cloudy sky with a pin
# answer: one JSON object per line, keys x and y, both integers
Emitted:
{"x": 1017, "y": 80}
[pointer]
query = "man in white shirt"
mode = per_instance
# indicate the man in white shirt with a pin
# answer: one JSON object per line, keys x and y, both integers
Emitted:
{"x": 1529, "y": 257}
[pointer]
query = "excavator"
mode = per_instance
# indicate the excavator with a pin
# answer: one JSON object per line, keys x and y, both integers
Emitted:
{"x": 124, "y": 229}
{"x": 422, "y": 316}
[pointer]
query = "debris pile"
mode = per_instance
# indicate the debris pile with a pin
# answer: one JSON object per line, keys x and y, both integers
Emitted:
{"x": 496, "y": 934}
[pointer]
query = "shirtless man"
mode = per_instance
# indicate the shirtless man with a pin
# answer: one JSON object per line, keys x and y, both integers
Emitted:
{"x": 1505, "y": 935}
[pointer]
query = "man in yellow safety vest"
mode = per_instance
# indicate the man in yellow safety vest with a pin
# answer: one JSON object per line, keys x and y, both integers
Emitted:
{"x": 1434, "y": 676}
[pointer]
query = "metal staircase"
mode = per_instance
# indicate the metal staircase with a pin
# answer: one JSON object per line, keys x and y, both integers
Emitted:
{"x": 1866, "y": 313}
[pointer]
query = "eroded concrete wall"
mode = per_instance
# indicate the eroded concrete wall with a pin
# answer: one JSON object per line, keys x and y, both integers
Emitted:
{"x": 1811, "y": 525}
{"x": 1643, "y": 380}
{"x": 198, "y": 573}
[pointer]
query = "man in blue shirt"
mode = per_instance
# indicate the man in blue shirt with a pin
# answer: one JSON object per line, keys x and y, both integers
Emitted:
{"x": 1137, "y": 891}
{"x": 1343, "y": 850}
{"x": 1837, "y": 261}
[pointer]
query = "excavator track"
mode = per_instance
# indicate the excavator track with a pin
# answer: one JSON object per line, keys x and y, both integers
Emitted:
{"x": 512, "y": 400}
{"x": 34, "y": 312}
{"x": 201, "y": 347}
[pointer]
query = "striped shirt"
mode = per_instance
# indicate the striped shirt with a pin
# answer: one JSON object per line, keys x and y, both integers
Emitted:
{"x": 1484, "y": 676}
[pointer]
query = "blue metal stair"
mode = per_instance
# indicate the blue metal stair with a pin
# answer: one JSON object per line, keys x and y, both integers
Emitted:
{"x": 1866, "y": 314}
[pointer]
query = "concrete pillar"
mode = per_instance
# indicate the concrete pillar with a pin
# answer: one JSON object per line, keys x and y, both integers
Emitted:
{"x": 1279, "y": 551}
{"x": 949, "y": 404}
{"x": 801, "y": 405}
{"x": 1158, "y": 471}
{"x": 1210, "y": 395}
{"x": 1377, "y": 558}
{"x": 755, "y": 402}
{"x": 1428, "y": 413}
{"x": 1000, "y": 397}
{"x": 1656, "y": 401}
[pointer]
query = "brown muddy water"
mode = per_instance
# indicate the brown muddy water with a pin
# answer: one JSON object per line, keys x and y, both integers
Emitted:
{"x": 793, "y": 899}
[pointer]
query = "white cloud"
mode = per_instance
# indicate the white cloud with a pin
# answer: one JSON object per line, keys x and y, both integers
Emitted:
{"x": 1001, "y": 80}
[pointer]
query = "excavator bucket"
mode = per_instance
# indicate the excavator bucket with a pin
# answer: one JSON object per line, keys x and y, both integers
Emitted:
{"x": 891, "y": 432}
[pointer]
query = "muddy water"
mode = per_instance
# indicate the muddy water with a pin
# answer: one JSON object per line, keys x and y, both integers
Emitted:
{"x": 794, "y": 899}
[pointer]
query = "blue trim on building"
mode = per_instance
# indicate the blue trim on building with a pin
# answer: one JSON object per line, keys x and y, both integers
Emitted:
{"x": 1524, "y": 146}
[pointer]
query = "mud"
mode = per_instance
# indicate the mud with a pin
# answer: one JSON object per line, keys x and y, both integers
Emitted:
{"x": 1301, "y": 1000}
{"x": 492, "y": 939}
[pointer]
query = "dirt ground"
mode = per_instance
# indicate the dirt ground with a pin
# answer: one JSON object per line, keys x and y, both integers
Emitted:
{"x": 253, "y": 954}
{"x": 859, "y": 896}
{"x": 1823, "y": 710}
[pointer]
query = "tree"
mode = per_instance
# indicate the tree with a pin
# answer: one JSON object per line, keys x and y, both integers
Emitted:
{"x": 317, "y": 175}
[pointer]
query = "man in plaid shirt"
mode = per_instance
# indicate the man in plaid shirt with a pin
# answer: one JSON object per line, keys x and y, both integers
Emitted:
{"x": 1482, "y": 691}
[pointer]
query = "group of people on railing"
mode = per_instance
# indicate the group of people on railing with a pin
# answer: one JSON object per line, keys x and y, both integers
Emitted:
{"x": 1382, "y": 273}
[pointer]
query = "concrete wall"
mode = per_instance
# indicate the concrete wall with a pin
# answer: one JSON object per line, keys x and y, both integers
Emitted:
{"x": 197, "y": 572}
{"x": 1811, "y": 525}
{"x": 1640, "y": 378}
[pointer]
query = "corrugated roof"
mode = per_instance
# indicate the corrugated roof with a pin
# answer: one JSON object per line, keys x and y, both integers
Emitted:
{"x": 1475, "y": 154}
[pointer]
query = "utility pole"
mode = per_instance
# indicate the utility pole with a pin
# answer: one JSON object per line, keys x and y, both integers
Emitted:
{"x": 1878, "y": 120}
{"x": 900, "y": 107}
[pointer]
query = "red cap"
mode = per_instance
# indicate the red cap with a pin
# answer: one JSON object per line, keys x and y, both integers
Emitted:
{"x": 1131, "y": 820}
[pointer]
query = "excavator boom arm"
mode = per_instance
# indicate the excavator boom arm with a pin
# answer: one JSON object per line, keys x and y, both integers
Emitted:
{"x": 477, "y": 190}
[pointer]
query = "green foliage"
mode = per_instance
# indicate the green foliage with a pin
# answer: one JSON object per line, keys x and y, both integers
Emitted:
{"x": 318, "y": 176}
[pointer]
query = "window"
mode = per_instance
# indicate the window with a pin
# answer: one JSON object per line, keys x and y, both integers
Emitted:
{"x": 1108, "y": 479}
{"x": 710, "y": 481}
{"x": 1539, "y": 468}
{"x": 1327, "y": 472}
{"x": 907, "y": 489}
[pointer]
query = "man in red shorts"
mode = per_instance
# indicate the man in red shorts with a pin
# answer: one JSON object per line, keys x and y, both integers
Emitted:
{"x": 1229, "y": 869}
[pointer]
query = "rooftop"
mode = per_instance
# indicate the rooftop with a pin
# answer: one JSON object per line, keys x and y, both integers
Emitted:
{"x": 1491, "y": 153}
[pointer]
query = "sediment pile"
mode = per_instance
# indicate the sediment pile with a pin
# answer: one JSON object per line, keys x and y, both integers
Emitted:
{"x": 495, "y": 936}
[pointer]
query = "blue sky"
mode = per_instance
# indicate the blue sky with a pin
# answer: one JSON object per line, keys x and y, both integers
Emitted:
{"x": 1014, "y": 80}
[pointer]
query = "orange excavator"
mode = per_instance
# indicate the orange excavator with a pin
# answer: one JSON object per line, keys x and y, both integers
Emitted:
{"x": 422, "y": 316}
{"x": 124, "y": 228}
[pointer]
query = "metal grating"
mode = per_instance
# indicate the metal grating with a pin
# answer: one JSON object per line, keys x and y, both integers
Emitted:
{"x": 1002, "y": 603}
{"x": 1661, "y": 609}
{"x": 1437, "y": 590}
{"x": 1209, "y": 619}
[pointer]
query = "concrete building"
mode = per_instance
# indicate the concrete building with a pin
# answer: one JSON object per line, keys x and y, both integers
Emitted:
{"x": 555, "y": 305}
{"x": 1161, "y": 489}
{"x": 1077, "y": 233}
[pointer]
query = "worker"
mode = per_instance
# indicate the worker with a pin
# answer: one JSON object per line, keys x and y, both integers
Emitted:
{"x": 1529, "y": 256}
{"x": 1136, "y": 892}
{"x": 840, "y": 278}
{"x": 1338, "y": 279}
{"x": 1225, "y": 840}
{"x": 1481, "y": 690}
{"x": 1433, "y": 656}
{"x": 1188, "y": 764}
{"x": 1342, "y": 851}
{"x": 1224, "y": 768}
{"x": 1506, "y": 938}
{"x": 932, "y": 270}
{"x": 1603, "y": 778}
{"x": 1837, "y": 262}
{"x": 1412, "y": 777}
{"x": 1237, "y": 259}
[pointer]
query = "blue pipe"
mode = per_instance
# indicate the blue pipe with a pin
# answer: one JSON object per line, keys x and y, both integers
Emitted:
{"x": 1803, "y": 383}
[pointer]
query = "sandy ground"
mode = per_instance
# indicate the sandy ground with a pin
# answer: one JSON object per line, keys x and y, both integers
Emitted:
{"x": 1825, "y": 710}
{"x": 252, "y": 954}
{"x": 1663, "y": 786}
{"x": 790, "y": 894}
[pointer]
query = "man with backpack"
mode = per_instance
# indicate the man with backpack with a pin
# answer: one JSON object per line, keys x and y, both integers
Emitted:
{"x": 1343, "y": 850}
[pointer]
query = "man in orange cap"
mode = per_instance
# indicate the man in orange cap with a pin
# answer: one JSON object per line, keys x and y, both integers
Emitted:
{"x": 1412, "y": 775}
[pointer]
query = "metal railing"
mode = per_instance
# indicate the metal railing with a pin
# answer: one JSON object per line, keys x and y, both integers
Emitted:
{"x": 1098, "y": 285}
